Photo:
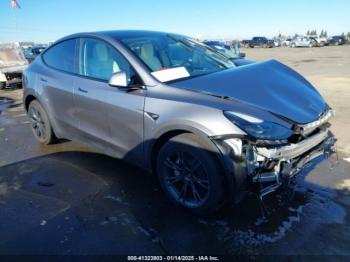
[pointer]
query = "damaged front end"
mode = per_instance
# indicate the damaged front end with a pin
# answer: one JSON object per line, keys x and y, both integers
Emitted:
{"x": 269, "y": 167}
{"x": 268, "y": 164}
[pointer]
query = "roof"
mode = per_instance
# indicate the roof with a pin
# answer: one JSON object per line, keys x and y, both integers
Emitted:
{"x": 115, "y": 34}
{"x": 121, "y": 34}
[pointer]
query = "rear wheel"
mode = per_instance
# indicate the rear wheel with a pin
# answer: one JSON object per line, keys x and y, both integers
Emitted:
{"x": 2, "y": 85}
{"x": 190, "y": 174}
{"x": 40, "y": 123}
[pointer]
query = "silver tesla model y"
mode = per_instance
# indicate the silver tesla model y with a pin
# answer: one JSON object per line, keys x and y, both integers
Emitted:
{"x": 211, "y": 127}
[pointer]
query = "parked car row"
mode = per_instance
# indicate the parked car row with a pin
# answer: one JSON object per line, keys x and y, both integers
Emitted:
{"x": 300, "y": 41}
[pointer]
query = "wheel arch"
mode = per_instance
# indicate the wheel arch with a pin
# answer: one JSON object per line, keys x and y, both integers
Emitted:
{"x": 28, "y": 99}
{"x": 232, "y": 172}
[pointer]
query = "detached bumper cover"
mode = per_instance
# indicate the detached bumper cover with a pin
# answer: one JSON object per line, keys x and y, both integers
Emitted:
{"x": 293, "y": 150}
{"x": 273, "y": 166}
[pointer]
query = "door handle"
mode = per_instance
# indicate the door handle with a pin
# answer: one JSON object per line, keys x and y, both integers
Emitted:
{"x": 82, "y": 90}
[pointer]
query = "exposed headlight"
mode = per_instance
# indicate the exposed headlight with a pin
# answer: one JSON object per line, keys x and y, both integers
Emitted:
{"x": 258, "y": 128}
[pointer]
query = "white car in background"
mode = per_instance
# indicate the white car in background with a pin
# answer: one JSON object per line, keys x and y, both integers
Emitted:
{"x": 12, "y": 64}
{"x": 303, "y": 41}
{"x": 277, "y": 42}
{"x": 286, "y": 42}
{"x": 321, "y": 41}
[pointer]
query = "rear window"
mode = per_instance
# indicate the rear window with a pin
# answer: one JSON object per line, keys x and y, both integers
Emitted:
{"x": 61, "y": 56}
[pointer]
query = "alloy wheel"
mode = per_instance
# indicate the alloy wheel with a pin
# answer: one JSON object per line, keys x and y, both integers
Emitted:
{"x": 186, "y": 179}
{"x": 37, "y": 122}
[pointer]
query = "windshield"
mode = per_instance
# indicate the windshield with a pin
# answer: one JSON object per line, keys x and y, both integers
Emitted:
{"x": 171, "y": 57}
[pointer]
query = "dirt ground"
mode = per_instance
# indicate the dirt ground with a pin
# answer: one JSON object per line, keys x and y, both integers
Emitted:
{"x": 67, "y": 199}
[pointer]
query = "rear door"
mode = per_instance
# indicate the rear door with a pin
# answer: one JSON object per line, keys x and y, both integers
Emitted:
{"x": 56, "y": 86}
{"x": 110, "y": 116}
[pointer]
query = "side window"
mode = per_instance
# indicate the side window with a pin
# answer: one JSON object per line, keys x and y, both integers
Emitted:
{"x": 99, "y": 60}
{"x": 61, "y": 56}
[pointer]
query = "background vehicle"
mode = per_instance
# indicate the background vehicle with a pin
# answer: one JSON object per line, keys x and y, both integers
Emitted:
{"x": 287, "y": 42}
{"x": 217, "y": 44}
{"x": 337, "y": 40}
{"x": 320, "y": 41}
{"x": 303, "y": 41}
{"x": 12, "y": 64}
{"x": 259, "y": 41}
{"x": 176, "y": 107}
{"x": 277, "y": 42}
{"x": 230, "y": 53}
{"x": 245, "y": 43}
{"x": 32, "y": 52}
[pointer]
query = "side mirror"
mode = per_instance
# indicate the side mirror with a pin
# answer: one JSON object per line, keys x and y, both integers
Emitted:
{"x": 119, "y": 79}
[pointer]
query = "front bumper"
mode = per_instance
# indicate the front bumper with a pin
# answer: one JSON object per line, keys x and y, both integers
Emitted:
{"x": 271, "y": 167}
{"x": 264, "y": 169}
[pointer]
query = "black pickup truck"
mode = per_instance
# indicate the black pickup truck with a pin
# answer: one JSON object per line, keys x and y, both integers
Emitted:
{"x": 260, "y": 41}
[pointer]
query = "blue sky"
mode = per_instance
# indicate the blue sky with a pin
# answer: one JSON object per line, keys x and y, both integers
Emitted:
{"x": 48, "y": 20}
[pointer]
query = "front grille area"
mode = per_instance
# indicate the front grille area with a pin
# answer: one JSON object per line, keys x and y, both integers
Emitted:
{"x": 308, "y": 128}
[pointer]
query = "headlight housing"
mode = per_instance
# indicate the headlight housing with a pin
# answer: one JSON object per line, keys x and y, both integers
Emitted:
{"x": 258, "y": 128}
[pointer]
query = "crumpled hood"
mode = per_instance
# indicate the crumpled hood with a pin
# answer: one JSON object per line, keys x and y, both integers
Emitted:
{"x": 270, "y": 85}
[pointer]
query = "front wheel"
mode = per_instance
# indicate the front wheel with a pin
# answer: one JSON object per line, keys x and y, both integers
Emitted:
{"x": 190, "y": 174}
{"x": 40, "y": 123}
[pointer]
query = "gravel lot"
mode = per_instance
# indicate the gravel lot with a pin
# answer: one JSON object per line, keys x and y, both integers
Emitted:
{"x": 67, "y": 199}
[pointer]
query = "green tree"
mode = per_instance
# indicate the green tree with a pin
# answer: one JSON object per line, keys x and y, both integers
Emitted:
{"x": 325, "y": 34}
{"x": 322, "y": 33}
{"x": 308, "y": 32}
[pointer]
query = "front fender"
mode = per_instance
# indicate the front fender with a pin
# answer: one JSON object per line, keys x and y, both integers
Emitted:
{"x": 234, "y": 172}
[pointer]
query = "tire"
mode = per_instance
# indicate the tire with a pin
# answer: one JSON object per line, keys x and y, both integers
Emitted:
{"x": 190, "y": 174}
{"x": 2, "y": 85}
{"x": 40, "y": 124}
